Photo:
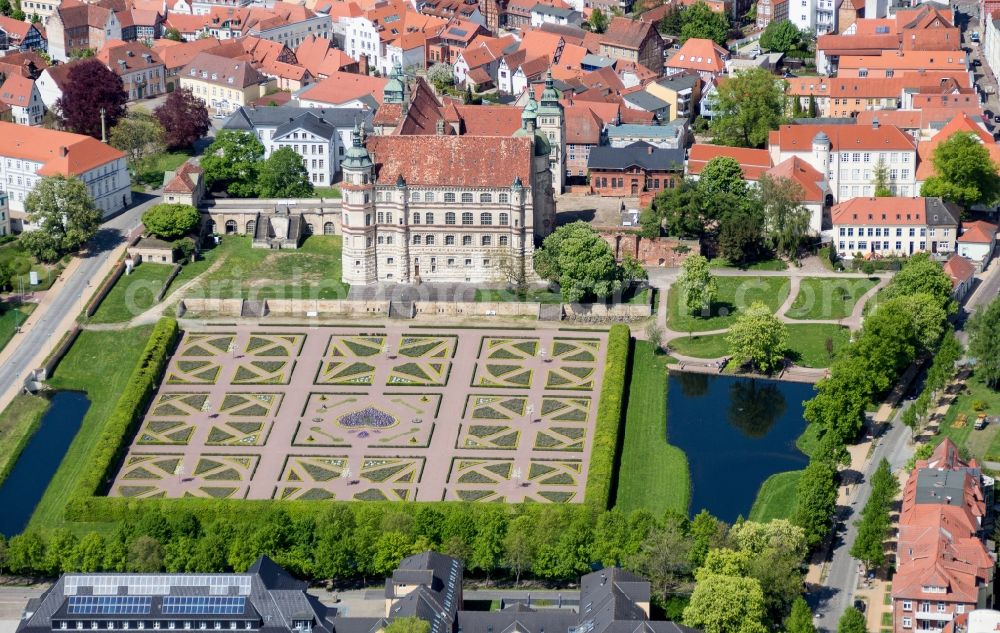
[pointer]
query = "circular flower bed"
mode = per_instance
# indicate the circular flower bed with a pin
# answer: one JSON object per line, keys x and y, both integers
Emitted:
{"x": 368, "y": 417}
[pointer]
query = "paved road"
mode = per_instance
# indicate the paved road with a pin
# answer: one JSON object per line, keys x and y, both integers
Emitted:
{"x": 70, "y": 289}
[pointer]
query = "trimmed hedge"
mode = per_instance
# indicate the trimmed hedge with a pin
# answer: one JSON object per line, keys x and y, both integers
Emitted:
{"x": 124, "y": 419}
{"x": 603, "y": 455}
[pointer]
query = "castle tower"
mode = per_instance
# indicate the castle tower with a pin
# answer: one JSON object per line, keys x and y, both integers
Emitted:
{"x": 543, "y": 204}
{"x": 358, "y": 217}
{"x": 395, "y": 90}
{"x": 552, "y": 122}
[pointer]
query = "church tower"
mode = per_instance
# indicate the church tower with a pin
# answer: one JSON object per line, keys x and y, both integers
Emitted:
{"x": 552, "y": 123}
{"x": 357, "y": 218}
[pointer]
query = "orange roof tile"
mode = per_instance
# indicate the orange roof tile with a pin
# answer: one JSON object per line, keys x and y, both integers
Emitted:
{"x": 460, "y": 161}
{"x": 341, "y": 87}
{"x": 962, "y": 123}
{"x": 880, "y": 211}
{"x": 701, "y": 55}
{"x": 16, "y": 91}
{"x": 799, "y": 138}
{"x": 804, "y": 174}
{"x": 978, "y": 232}
{"x": 959, "y": 269}
{"x": 41, "y": 145}
{"x": 753, "y": 162}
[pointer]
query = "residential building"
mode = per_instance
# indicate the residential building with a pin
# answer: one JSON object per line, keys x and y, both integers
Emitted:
{"x": 815, "y": 190}
{"x": 343, "y": 90}
{"x": 642, "y": 100}
{"x": 320, "y": 136}
{"x": 321, "y": 58}
{"x": 960, "y": 124}
{"x": 451, "y": 40}
{"x": 27, "y": 64}
{"x": 849, "y": 13}
{"x": 672, "y": 135}
{"x": 543, "y": 13}
{"x": 76, "y": 26}
{"x": 185, "y": 185}
{"x": 849, "y": 155}
{"x": 978, "y": 242}
{"x": 177, "y": 55}
{"x": 962, "y": 274}
{"x": 772, "y": 11}
{"x": 753, "y": 162}
{"x": 467, "y": 10}
{"x": 814, "y": 16}
{"x": 482, "y": 57}
{"x": 140, "y": 69}
{"x": 395, "y": 23}
{"x": 899, "y": 63}
{"x": 882, "y": 227}
{"x": 444, "y": 208}
{"x": 27, "y": 154}
{"x": 629, "y": 40}
{"x": 222, "y": 83}
{"x": 850, "y": 96}
{"x": 5, "y": 228}
{"x": 52, "y": 81}
{"x": 634, "y": 169}
{"x": 704, "y": 57}
{"x": 20, "y": 36}
{"x": 22, "y": 97}
{"x": 584, "y": 131}
{"x": 681, "y": 90}
{"x": 943, "y": 568}
{"x": 285, "y": 23}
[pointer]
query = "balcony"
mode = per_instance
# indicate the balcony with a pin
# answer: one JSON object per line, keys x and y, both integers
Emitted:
{"x": 934, "y": 616}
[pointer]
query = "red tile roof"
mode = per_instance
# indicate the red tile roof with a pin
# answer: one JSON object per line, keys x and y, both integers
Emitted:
{"x": 180, "y": 54}
{"x": 961, "y": 124}
{"x": 583, "y": 126}
{"x": 16, "y": 91}
{"x": 959, "y": 269}
{"x": 880, "y": 211}
{"x": 341, "y": 87}
{"x": 801, "y": 172}
{"x": 978, "y": 232}
{"x": 41, "y": 145}
{"x": 456, "y": 161}
{"x": 799, "y": 138}
{"x": 185, "y": 179}
{"x": 701, "y": 55}
{"x": 753, "y": 162}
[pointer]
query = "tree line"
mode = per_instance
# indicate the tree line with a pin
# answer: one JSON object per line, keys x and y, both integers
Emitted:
{"x": 873, "y": 528}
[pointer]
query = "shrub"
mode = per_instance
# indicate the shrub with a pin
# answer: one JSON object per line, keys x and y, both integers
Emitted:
{"x": 609, "y": 417}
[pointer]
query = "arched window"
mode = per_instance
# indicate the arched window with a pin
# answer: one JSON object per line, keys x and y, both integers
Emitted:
{"x": 466, "y": 197}
{"x": 416, "y": 239}
{"x": 429, "y": 218}
{"x": 487, "y": 240}
{"x": 485, "y": 197}
{"x": 251, "y": 225}
{"x": 466, "y": 240}
{"x": 429, "y": 240}
{"x": 328, "y": 228}
{"x": 416, "y": 218}
{"x": 449, "y": 218}
{"x": 486, "y": 219}
{"x": 230, "y": 227}
{"x": 504, "y": 219}
{"x": 467, "y": 217}
{"x": 449, "y": 197}
{"x": 504, "y": 198}
{"x": 503, "y": 240}
{"x": 449, "y": 240}
{"x": 429, "y": 196}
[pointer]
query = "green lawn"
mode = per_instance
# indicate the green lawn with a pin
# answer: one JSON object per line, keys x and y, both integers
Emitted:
{"x": 767, "y": 264}
{"x": 776, "y": 497}
{"x": 10, "y": 318}
{"x": 132, "y": 294}
{"x": 807, "y": 343}
{"x": 22, "y": 263}
{"x": 708, "y": 346}
{"x": 653, "y": 474}
{"x": 99, "y": 363}
{"x": 828, "y": 297}
{"x": 534, "y": 294}
{"x": 311, "y": 272}
{"x": 327, "y": 192}
{"x": 984, "y": 444}
{"x": 17, "y": 424}
{"x": 734, "y": 293}
{"x": 153, "y": 168}
{"x": 809, "y": 440}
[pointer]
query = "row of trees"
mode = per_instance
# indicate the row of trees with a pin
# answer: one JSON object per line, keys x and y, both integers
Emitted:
{"x": 909, "y": 321}
{"x": 873, "y": 528}
{"x": 234, "y": 162}
{"x": 747, "y": 223}
{"x": 938, "y": 374}
{"x": 984, "y": 343}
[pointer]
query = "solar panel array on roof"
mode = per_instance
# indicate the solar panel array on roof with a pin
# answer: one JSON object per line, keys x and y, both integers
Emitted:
{"x": 109, "y": 605}
{"x": 208, "y": 605}
{"x": 156, "y": 584}
{"x": 459, "y": 32}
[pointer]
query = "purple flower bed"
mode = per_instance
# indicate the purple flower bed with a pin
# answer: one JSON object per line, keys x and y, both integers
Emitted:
{"x": 369, "y": 417}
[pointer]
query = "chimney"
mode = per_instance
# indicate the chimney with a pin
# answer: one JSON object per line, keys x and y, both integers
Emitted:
{"x": 875, "y": 123}
{"x": 63, "y": 151}
{"x": 649, "y": 150}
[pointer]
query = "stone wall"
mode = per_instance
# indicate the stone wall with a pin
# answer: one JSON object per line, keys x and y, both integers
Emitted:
{"x": 657, "y": 251}
{"x": 302, "y": 307}
{"x": 224, "y": 307}
{"x": 600, "y": 310}
{"x": 471, "y": 308}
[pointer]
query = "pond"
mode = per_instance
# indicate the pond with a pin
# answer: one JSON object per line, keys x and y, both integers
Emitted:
{"x": 736, "y": 433}
{"x": 27, "y": 481}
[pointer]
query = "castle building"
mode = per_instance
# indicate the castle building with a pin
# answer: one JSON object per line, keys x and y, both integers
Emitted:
{"x": 446, "y": 207}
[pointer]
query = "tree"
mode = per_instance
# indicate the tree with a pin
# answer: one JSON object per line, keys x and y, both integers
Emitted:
{"x": 758, "y": 337}
{"x": 232, "y": 161}
{"x": 800, "y": 620}
{"x": 26, "y": 553}
{"x": 664, "y": 558}
{"x": 520, "y": 545}
{"x": 679, "y": 211}
{"x": 145, "y": 555}
{"x": 138, "y": 134}
{"x": 747, "y": 107}
{"x": 441, "y": 75}
{"x": 90, "y": 553}
{"x": 284, "y": 175}
{"x": 812, "y": 107}
{"x": 853, "y": 621}
{"x": 919, "y": 274}
{"x": 390, "y": 548}
{"x": 65, "y": 215}
{"x": 700, "y": 22}
{"x": 654, "y": 334}
{"x": 881, "y": 180}
{"x": 598, "y": 21}
{"x": 786, "y": 221}
{"x": 673, "y": 21}
{"x": 90, "y": 89}
{"x": 726, "y": 604}
{"x": 964, "y": 173}
{"x": 4, "y": 554}
{"x": 173, "y": 35}
{"x": 17, "y": 13}
{"x": 171, "y": 221}
{"x": 816, "y": 500}
{"x": 184, "y": 118}
{"x": 796, "y": 107}
{"x": 409, "y": 624}
{"x": 722, "y": 175}
{"x": 984, "y": 343}
{"x": 5, "y": 8}
{"x": 780, "y": 36}
{"x": 698, "y": 287}
{"x": 580, "y": 261}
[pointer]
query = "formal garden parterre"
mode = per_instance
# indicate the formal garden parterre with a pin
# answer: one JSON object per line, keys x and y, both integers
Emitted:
{"x": 370, "y": 413}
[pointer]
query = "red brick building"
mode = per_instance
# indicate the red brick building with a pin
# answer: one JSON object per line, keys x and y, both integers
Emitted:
{"x": 633, "y": 170}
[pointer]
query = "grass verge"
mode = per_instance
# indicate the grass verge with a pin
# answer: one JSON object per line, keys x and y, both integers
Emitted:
{"x": 828, "y": 297}
{"x": 18, "y": 423}
{"x": 99, "y": 363}
{"x": 807, "y": 343}
{"x": 132, "y": 294}
{"x": 735, "y": 293}
{"x": 10, "y": 318}
{"x": 776, "y": 498}
{"x": 653, "y": 474}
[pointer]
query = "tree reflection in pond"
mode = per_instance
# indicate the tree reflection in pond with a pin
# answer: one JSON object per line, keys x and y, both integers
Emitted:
{"x": 754, "y": 406}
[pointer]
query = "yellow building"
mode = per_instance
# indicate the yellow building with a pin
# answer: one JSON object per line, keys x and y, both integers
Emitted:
{"x": 224, "y": 84}
{"x": 682, "y": 91}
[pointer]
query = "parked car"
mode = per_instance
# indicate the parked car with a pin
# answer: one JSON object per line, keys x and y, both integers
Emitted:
{"x": 988, "y": 114}
{"x": 860, "y": 605}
